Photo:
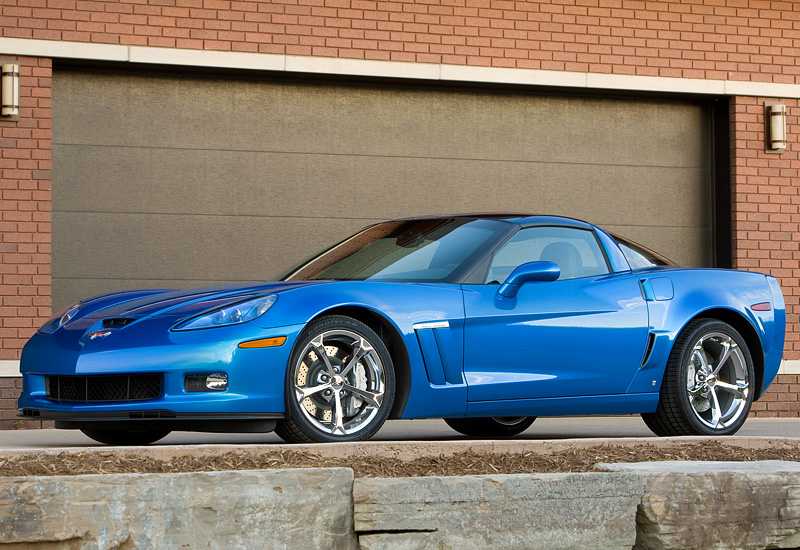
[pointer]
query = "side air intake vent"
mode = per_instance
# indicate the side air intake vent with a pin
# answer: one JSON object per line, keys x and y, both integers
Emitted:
{"x": 651, "y": 340}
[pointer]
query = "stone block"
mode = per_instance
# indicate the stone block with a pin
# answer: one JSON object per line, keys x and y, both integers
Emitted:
{"x": 702, "y": 505}
{"x": 520, "y": 511}
{"x": 265, "y": 509}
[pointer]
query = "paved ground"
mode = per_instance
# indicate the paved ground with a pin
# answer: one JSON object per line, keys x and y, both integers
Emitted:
{"x": 414, "y": 430}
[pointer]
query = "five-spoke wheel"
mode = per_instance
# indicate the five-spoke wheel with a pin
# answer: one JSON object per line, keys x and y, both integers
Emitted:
{"x": 340, "y": 383}
{"x": 707, "y": 385}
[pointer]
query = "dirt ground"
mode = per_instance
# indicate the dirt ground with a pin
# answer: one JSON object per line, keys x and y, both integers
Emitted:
{"x": 465, "y": 463}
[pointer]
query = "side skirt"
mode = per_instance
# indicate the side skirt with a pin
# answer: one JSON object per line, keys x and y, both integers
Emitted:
{"x": 561, "y": 406}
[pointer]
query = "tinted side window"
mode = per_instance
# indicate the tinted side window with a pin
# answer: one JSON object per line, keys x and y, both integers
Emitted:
{"x": 576, "y": 251}
{"x": 640, "y": 257}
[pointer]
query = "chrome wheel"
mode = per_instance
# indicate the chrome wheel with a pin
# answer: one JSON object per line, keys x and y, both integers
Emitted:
{"x": 340, "y": 383}
{"x": 708, "y": 382}
{"x": 717, "y": 381}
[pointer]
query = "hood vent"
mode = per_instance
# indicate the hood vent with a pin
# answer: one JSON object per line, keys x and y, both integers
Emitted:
{"x": 117, "y": 322}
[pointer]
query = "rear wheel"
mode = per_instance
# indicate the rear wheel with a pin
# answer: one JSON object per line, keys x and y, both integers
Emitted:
{"x": 125, "y": 437}
{"x": 492, "y": 426}
{"x": 339, "y": 383}
{"x": 708, "y": 384}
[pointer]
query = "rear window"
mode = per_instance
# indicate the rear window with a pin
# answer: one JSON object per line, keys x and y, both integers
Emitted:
{"x": 640, "y": 257}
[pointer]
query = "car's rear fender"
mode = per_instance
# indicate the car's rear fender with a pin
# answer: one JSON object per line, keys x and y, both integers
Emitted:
{"x": 715, "y": 294}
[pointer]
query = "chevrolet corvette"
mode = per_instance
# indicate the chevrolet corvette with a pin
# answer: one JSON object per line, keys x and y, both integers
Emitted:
{"x": 484, "y": 320}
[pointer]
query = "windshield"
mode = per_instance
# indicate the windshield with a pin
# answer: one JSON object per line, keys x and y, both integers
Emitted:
{"x": 409, "y": 251}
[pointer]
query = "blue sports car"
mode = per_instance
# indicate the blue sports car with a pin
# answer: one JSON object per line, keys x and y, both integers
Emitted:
{"x": 485, "y": 320}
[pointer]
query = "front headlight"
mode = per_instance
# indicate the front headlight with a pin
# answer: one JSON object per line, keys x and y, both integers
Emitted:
{"x": 60, "y": 319}
{"x": 233, "y": 314}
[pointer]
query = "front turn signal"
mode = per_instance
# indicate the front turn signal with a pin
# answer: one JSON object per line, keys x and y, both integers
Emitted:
{"x": 264, "y": 343}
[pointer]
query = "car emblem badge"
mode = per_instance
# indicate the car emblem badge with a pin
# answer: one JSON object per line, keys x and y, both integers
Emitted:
{"x": 98, "y": 334}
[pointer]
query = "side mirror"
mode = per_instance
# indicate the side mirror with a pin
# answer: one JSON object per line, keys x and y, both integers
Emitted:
{"x": 528, "y": 273}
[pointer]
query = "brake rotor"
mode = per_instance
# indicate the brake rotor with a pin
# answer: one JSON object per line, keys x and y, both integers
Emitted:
{"x": 701, "y": 404}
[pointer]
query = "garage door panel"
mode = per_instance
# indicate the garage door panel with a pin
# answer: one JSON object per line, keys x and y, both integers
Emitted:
{"x": 191, "y": 181}
{"x": 268, "y": 184}
{"x": 153, "y": 111}
{"x": 188, "y": 248}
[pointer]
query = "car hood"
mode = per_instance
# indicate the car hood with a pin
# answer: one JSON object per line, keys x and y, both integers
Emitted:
{"x": 179, "y": 303}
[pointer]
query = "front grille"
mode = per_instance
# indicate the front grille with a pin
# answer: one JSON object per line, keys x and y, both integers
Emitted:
{"x": 133, "y": 387}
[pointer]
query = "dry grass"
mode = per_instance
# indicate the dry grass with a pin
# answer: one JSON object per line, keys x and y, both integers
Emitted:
{"x": 465, "y": 463}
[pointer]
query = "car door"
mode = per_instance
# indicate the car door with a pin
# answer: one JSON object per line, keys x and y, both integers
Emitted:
{"x": 583, "y": 334}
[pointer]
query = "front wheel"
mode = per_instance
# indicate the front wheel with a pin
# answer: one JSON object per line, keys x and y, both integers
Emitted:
{"x": 492, "y": 426}
{"x": 339, "y": 383}
{"x": 125, "y": 437}
{"x": 708, "y": 384}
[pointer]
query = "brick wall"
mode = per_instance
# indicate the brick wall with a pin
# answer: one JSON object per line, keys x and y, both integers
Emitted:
{"x": 782, "y": 400}
{"x": 24, "y": 223}
{"x": 766, "y": 213}
{"x": 10, "y": 389}
{"x": 25, "y": 210}
{"x": 745, "y": 40}
{"x": 738, "y": 40}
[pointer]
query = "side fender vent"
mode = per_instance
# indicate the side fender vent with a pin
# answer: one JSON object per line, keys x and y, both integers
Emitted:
{"x": 651, "y": 340}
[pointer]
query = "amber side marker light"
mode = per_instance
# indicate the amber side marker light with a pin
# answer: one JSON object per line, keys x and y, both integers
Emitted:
{"x": 763, "y": 306}
{"x": 264, "y": 343}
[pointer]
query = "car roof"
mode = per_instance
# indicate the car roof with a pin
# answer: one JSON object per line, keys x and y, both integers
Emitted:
{"x": 522, "y": 219}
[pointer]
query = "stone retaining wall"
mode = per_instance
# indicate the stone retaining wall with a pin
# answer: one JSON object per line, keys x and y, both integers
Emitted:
{"x": 590, "y": 511}
{"x": 702, "y": 505}
{"x": 644, "y": 506}
{"x": 264, "y": 509}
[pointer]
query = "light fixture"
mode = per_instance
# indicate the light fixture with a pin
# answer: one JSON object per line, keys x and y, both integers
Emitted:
{"x": 776, "y": 127}
{"x": 9, "y": 85}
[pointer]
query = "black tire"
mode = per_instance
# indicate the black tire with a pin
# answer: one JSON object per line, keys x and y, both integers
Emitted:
{"x": 312, "y": 417}
{"x": 685, "y": 410}
{"x": 492, "y": 426}
{"x": 125, "y": 438}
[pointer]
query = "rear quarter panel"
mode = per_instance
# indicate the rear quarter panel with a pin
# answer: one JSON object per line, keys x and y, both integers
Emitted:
{"x": 714, "y": 293}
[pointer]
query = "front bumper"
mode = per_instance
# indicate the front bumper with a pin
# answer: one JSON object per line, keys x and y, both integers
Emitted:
{"x": 256, "y": 376}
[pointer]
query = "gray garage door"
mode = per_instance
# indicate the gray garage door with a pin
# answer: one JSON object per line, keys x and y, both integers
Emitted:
{"x": 164, "y": 181}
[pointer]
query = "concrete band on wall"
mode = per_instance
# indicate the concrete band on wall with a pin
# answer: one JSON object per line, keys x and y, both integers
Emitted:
{"x": 389, "y": 69}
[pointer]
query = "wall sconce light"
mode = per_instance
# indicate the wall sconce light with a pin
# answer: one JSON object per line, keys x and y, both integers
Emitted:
{"x": 776, "y": 127}
{"x": 9, "y": 90}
